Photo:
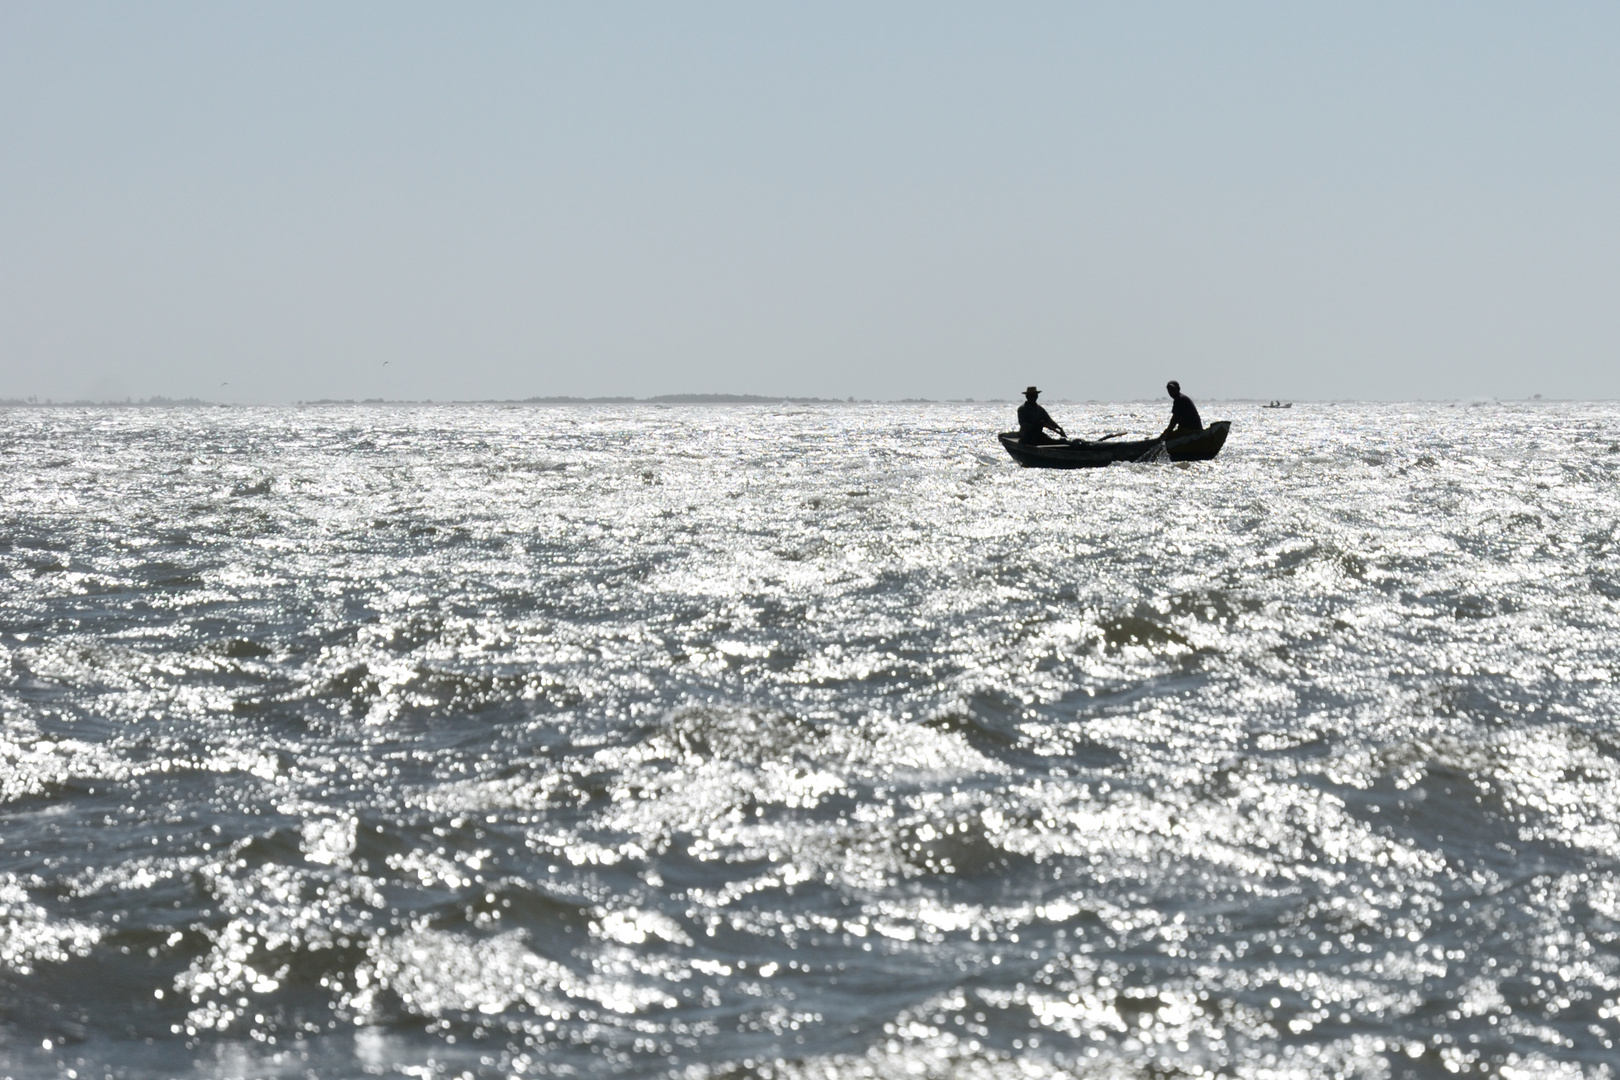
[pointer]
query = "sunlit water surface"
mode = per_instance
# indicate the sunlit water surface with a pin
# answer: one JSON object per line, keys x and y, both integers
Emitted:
{"x": 810, "y": 741}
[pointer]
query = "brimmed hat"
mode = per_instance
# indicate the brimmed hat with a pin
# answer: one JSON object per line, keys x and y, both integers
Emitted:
{"x": 1030, "y": 391}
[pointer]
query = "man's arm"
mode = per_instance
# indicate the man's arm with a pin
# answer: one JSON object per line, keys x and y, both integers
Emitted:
{"x": 1053, "y": 424}
{"x": 1178, "y": 417}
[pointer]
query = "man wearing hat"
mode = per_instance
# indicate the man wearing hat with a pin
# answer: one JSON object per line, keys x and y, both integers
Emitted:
{"x": 1184, "y": 419}
{"x": 1034, "y": 421}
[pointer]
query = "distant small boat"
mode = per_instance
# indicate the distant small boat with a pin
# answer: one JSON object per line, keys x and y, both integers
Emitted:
{"x": 1080, "y": 454}
{"x": 1279, "y": 405}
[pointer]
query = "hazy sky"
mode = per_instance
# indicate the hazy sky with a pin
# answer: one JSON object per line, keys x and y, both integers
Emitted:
{"x": 872, "y": 199}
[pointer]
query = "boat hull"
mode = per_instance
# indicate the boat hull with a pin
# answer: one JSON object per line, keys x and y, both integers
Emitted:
{"x": 1199, "y": 446}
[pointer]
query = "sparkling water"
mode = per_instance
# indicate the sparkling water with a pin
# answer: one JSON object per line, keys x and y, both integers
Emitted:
{"x": 808, "y": 741}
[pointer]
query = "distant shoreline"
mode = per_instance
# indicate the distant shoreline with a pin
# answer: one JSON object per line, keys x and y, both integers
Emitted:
{"x": 659, "y": 399}
{"x": 730, "y": 399}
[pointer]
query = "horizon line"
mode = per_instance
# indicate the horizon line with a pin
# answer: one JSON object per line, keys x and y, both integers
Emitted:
{"x": 162, "y": 401}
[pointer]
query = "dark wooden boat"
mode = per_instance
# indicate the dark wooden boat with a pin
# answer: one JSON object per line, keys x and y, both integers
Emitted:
{"x": 1079, "y": 454}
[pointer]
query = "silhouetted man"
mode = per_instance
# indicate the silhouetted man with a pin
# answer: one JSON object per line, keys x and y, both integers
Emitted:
{"x": 1034, "y": 421}
{"x": 1184, "y": 419}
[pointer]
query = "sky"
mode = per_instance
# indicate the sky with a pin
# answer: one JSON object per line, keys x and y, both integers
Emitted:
{"x": 274, "y": 202}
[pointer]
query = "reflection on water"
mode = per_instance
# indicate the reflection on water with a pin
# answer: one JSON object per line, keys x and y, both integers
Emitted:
{"x": 600, "y": 741}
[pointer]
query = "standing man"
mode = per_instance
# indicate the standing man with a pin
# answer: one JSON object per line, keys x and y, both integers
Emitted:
{"x": 1184, "y": 419}
{"x": 1034, "y": 421}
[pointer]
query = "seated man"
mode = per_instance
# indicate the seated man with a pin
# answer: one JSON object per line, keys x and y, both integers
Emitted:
{"x": 1034, "y": 421}
{"x": 1184, "y": 419}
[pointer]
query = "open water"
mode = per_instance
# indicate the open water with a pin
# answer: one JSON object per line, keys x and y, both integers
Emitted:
{"x": 808, "y": 742}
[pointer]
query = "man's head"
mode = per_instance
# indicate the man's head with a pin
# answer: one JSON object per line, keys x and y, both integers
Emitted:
{"x": 1174, "y": 388}
{"x": 1032, "y": 393}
